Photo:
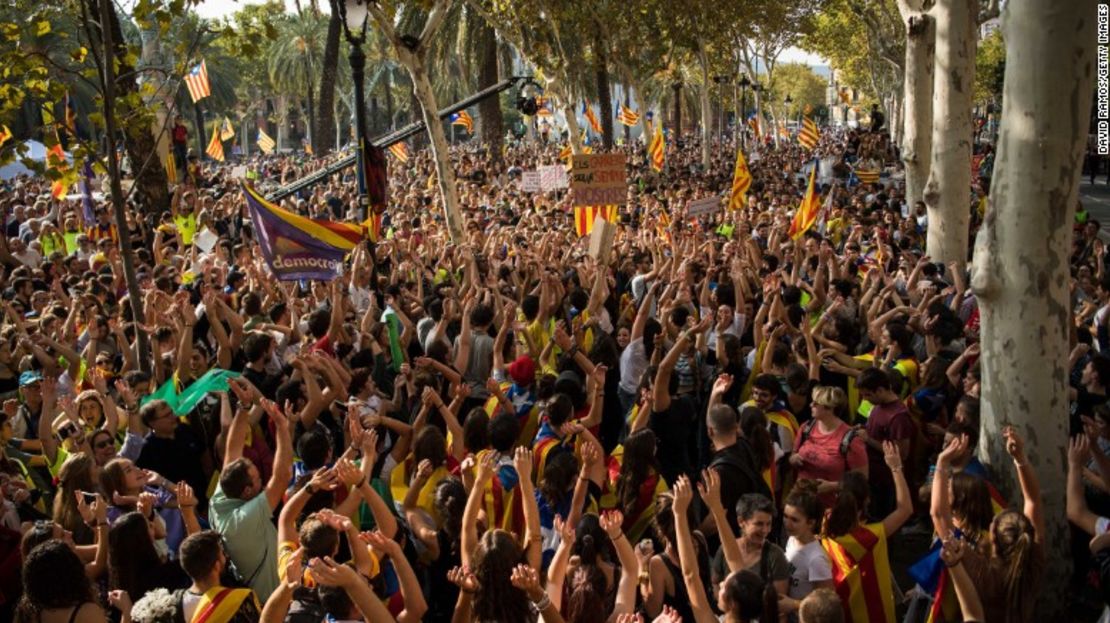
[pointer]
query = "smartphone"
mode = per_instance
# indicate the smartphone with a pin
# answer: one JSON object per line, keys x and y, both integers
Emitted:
{"x": 88, "y": 497}
{"x": 67, "y": 431}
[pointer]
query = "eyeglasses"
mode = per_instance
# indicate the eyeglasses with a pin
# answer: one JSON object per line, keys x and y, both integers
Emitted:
{"x": 100, "y": 445}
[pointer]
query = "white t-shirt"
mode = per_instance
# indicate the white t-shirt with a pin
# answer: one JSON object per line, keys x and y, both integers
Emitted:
{"x": 809, "y": 564}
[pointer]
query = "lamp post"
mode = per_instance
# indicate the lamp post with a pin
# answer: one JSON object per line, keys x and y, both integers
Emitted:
{"x": 354, "y": 13}
{"x": 787, "y": 102}
{"x": 744, "y": 84}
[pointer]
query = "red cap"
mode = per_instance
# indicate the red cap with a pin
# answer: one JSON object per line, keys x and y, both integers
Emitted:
{"x": 523, "y": 370}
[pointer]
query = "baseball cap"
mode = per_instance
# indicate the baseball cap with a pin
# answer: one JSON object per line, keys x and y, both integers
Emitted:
{"x": 29, "y": 377}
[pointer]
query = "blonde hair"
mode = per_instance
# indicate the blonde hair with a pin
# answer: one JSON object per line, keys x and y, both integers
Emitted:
{"x": 831, "y": 397}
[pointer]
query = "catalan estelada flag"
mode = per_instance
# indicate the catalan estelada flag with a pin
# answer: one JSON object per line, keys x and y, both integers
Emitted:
{"x": 584, "y": 217}
{"x": 809, "y": 135}
{"x": 197, "y": 82}
{"x": 627, "y": 116}
{"x": 265, "y": 143}
{"x": 215, "y": 147}
{"x": 753, "y": 123}
{"x": 5, "y": 134}
{"x": 595, "y": 125}
{"x": 296, "y": 247}
{"x": 565, "y": 153}
{"x": 227, "y": 131}
{"x": 657, "y": 149}
{"x": 808, "y": 210}
{"x": 741, "y": 182}
{"x": 400, "y": 151}
{"x": 464, "y": 119}
{"x": 861, "y": 574}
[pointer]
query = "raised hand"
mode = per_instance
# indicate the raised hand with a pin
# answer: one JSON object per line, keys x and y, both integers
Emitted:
{"x": 1079, "y": 451}
{"x": 722, "y": 384}
{"x": 955, "y": 447}
{"x": 683, "y": 495}
{"x": 710, "y": 487}
{"x": 464, "y": 578}
{"x": 565, "y": 531}
{"x": 611, "y": 523}
{"x": 423, "y": 473}
{"x": 892, "y": 457}
{"x": 525, "y": 578}
{"x": 185, "y": 496}
{"x": 1015, "y": 445}
{"x": 330, "y": 573}
{"x": 348, "y": 473}
{"x": 522, "y": 461}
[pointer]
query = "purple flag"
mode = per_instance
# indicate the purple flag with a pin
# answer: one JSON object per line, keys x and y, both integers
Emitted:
{"x": 86, "y": 185}
{"x": 296, "y": 247}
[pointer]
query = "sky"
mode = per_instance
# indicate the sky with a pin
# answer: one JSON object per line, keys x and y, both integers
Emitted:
{"x": 220, "y": 8}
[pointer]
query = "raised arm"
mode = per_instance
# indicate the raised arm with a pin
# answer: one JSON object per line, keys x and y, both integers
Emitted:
{"x": 904, "y": 509}
{"x": 533, "y": 536}
{"x": 283, "y": 456}
{"x": 683, "y": 494}
{"x": 469, "y": 536}
{"x": 1030, "y": 487}
{"x": 940, "y": 508}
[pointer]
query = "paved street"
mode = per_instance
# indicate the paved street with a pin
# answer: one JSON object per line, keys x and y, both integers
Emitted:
{"x": 1096, "y": 198}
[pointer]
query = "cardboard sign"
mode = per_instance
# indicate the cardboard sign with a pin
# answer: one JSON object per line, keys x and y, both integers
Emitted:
{"x": 705, "y": 205}
{"x": 530, "y": 182}
{"x": 601, "y": 239}
{"x": 553, "y": 177}
{"x": 598, "y": 179}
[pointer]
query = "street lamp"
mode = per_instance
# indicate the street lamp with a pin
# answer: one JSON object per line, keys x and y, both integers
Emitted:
{"x": 354, "y": 14}
{"x": 787, "y": 102}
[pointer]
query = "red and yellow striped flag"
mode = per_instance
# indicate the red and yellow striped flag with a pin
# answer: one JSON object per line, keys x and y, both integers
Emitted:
{"x": 627, "y": 116}
{"x": 584, "y": 217}
{"x": 171, "y": 168}
{"x": 400, "y": 151}
{"x": 56, "y": 159}
{"x": 867, "y": 177}
{"x": 657, "y": 149}
{"x": 741, "y": 182}
{"x": 809, "y": 135}
{"x": 808, "y": 210}
{"x": 215, "y": 147}
{"x": 861, "y": 574}
{"x": 595, "y": 125}
{"x": 5, "y": 134}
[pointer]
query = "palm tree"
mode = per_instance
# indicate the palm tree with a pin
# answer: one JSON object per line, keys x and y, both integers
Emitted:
{"x": 296, "y": 58}
{"x": 322, "y": 136}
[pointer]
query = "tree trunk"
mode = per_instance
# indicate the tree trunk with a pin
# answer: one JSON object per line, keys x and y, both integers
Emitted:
{"x": 947, "y": 191}
{"x": 628, "y": 103}
{"x": 491, "y": 125}
{"x": 445, "y": 173}
{"x": 677, "y": 88}
{"x": 605, "y": 108}
{"x": 572, "y": 125}
{"x": 115, "y": 53}
{"x": 917, "y": 124}
{"x": 311, "y": 117}
{"x": 706, "y": 111}
{"x": 282, "y": 118}
{"x": 322, "y": 132}
{"x": 1021, "y": 256}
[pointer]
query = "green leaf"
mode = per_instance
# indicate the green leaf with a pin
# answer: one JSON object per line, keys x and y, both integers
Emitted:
{"x": 10, "y": 31}
{"x": 42, "y": 27}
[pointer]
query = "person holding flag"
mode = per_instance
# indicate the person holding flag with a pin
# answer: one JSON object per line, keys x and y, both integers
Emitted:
{"x": 741, "y": 182}
{"x": 808, "y": 210}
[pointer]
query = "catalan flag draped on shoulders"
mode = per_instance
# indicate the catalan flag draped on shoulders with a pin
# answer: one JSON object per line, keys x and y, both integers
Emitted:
{"x": 861, "y": 573}
{"x": 221, "y": 604}
{"x": 637, "y": 522}
{"x": 808, "y": 210}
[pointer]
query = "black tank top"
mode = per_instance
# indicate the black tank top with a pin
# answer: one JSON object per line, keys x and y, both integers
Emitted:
{"x": 680, "y": 601}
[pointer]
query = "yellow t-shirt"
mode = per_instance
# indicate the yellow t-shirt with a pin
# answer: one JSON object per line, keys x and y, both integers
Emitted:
{"x": 187, "y": 225}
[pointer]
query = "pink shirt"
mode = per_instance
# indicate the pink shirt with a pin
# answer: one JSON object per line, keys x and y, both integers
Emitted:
{"x": 823, "y": 460}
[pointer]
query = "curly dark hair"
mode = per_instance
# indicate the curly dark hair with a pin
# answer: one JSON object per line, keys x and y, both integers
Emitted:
{"x": 53, "y": 578}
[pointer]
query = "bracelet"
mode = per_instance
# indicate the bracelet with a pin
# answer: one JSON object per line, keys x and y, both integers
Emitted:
{"x": 543, "y": 604}
{"x": 617, "y": 538}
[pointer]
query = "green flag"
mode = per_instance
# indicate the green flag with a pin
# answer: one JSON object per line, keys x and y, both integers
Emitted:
{"x": 391, "y": 323}
{"x": 215, "y": 380}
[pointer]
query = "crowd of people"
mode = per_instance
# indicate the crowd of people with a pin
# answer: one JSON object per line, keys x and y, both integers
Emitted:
{"x": 715, "y": 421}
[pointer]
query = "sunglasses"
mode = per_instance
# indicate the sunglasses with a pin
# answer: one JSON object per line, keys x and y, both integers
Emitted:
{"x": 100, "y": 445}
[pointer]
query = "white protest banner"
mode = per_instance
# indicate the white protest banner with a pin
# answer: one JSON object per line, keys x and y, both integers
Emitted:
{"x": 530, "y": 182}
{"x": 598, "y": 179}
{"x": 704, "y": 205}
{"x": 553, "y": 177}
{"x": 239, "y": 172}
